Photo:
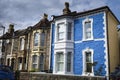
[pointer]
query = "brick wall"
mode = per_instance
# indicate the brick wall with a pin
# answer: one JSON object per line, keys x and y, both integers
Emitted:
{"x": 44, "y": 76}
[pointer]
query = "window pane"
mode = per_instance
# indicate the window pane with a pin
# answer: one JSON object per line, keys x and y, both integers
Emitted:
{"x": 34, "y": 58}
{"x": 69, "y": 31}
{"x": 89, "y": 67}
{"x": 88, "y": 62}
{"x": 88, "y": 56}
{"x": 69, "y": 61}
{"x": 88, "y": 30}
{"x": 60, "y": 63}
{"x": 34, "y": 66}
{"x": 20, "y": 60}
{"x": 36, "y": 39}
{"x": 61, "y": 31}
{"x": 22, "y": 44}
{"x": 60, "y": 66}
{"x": 42, "y": 39}
{"x": 41, "y": 64}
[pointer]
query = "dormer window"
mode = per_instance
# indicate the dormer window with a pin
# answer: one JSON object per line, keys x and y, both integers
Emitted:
{"x": 36, "y": 39}
{"x": 87, "y": 29}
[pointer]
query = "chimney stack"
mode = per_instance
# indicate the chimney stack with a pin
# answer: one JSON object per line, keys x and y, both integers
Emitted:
{"x": 66, "y": 10}
{"x": 11, "y": 29}
{"x": 45, "y": 16}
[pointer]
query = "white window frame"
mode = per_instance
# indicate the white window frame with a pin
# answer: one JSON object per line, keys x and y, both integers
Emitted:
{"x": 58, "y": 33}
{"x": 84, "y": 35}
{"x": 59, "y": 62}
{"x": 84, "y": 62}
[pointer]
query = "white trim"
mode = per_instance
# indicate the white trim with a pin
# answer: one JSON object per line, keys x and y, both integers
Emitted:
{"x": 83, "y": 23}
{"x": 84, "y": 66}
{"x": 80, "y": 41}
{"x": 105, "y": 45}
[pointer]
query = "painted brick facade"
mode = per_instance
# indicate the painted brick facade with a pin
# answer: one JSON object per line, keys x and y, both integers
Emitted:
{"x": 97, "y": 46}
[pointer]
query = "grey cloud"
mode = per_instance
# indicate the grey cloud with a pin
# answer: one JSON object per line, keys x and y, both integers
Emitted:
{"x": 26, "y": 13}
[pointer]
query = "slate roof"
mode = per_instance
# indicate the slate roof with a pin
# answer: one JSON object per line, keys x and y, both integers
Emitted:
{"x": 43, "y": 23}
{"x": 6, "y": 36}
{"x": 84, "y": 13}
{"x": 16, "y": 34}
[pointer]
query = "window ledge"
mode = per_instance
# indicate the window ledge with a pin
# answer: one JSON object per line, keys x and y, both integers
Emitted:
{"x": 88, "y": 74}
{"x": 88, "y": 39}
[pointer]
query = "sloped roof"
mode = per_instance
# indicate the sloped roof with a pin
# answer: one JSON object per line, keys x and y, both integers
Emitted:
{"x": 6, "y": 36}
{"x": 84, "y": 13}
{"x": 20, "y": 33}
{"x": 15, "y": 34}
{"x": 43, "y": 23}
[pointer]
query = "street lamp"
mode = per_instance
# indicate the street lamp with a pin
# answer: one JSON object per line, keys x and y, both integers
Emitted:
{"x": 2, "y": 31}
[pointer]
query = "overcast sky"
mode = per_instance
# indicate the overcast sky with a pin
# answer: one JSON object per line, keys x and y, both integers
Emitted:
{"x": 24, "y": 13}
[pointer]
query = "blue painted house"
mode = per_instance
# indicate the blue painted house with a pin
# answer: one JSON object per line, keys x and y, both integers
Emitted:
{"x": 84, "y": 43}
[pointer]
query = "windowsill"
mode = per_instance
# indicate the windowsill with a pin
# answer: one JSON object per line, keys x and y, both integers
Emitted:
{"x": 63, "y": 73}
{"x": 88, "y": 39}
{"x": 64, "y": 41}
{"x": 88, "y": 74}
{"x": 69, "y": 73}
{"x": 59, "y": 72}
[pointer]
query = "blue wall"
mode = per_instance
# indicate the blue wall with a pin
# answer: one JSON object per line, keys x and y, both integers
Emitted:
{"x": 97, "y": 46}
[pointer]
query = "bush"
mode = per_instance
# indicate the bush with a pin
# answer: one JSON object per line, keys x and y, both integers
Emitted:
{"x": 116, "y": 73}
